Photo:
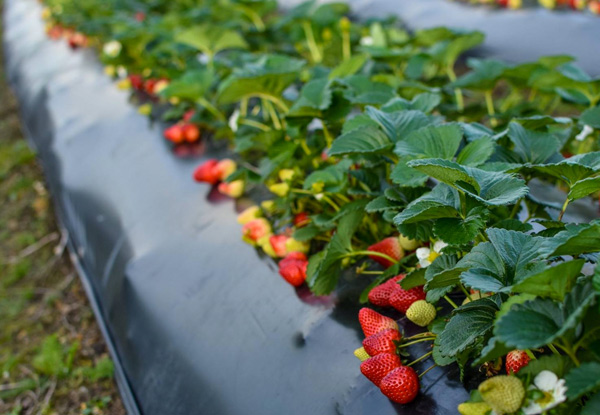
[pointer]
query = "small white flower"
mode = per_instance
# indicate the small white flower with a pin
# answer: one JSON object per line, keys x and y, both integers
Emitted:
{"x": 112, "y": 48}
{"x": 121, "y": 72}
{"x": 554, "y": 393}
{"x": 587, "y": 130}
{"x": 233, "y": 120}
{"x": 202, "y": 58}
{"x": 426, "y": 255}
{"x": 366, "y": 41}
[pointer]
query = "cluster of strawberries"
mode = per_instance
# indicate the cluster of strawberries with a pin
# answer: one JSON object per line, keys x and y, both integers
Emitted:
{"x": 151, "y": 86}
{"x": 214, "y": 172}
{"x": 380, "y": 361}
{"x": 74, "y": 39}
{"x": 183, "y": 131}
{"x": 257, "y": 231}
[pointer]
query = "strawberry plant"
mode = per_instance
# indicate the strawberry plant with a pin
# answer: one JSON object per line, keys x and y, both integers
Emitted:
{"x": 449, "y": 187}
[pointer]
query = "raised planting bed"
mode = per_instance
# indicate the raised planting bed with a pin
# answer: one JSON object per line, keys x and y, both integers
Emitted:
{"x": 349, "y": 164}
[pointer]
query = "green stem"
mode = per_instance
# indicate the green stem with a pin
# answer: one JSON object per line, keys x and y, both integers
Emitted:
{"x": 553, "y": 349}
{"x": 272, "y": 114}
{"x": 564, "y": 208}
{"x": 346, "y": 51}
{"x": 464, "y": 290}
{"x": 331, "y": 203}
{"x": 489, "y": 101}
{"x": 427, "y": 339}
{"x": 255, "y": 124}
{"x": 369, "y": 272}
{"x": 569, "y": 353}
{"x": 310, "y": 40}
{"x": 530, "y": 354}
{"x": 211, "y": 108}
{"x": 244, "y": 107}
{"x": 371, "y": 253}
{"x": 452, "y": 303}
{"x": 427, "y": 370}
{"x": 515, "y": 209}
{"x": 425, "y": 356}
{"x": 305, "y": 147}
{"x": 460, "y": 104}
{"x": 327, "y": 134}
{"x": 275, "y": 101}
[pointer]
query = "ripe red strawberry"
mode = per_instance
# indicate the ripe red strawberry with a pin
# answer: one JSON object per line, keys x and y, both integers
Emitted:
{"x": 401, "y": 385}
{"x": 206, "y": 172}
{"x": 140, "y": 16}
{"x": 377, "y": 367}
{"x": 372, "y": 322}
{"x": 278, "y": 244}
{"x": 174, "y": 134}
{"x": 137, "y": 82}
{"x": 382, "y": 342}
{"x": 402, "y": 299}
{"x": 149, "y": 85}
{"x": 381, "y": 294}
{"x": 293, "y": 268}
{"x": 516, "y": 360}
{"x": 301, "y": 219}
{"x": 188, "y": 115}
{"x": 191, "y": 133}
{"x": 390, "y": 247}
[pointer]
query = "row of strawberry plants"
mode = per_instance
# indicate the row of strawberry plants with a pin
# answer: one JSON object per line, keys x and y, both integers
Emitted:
{"x": 592, "y": 6}
{"x": 383, "y": 155}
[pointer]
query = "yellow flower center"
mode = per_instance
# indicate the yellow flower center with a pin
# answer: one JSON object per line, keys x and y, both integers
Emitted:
{"x": 545, "y": 400}
{"x": 432, "y": 256}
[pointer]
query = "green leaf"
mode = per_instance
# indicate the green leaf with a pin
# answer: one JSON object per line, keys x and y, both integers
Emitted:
{"x": 573, "y": 169}
{"x": 441, "y": 276}
{"x": 315, "y": 94}
{"x": 539, "y": 322}
{"x": 576, "y": 240}
{"x": 532, "y": 146}
{"x": 362, "y": 90}
{"x": 553, "y": 282}
{"x": 438, "y": 141}
{"x": 491, "y": 188}
{"x": 584, "y": 187}
{"x": 582, "y": 380}
{"x": 334, "y": 178}
{"x": 441, "y": 202}
{"x": 349, "y": 66}
{"x": 192, "y": 85}
{"x": 403, "y": 175}
{"x": 414, "y": 279}
{"x": 592, "y": 406}
{"x": 476, "y": 152}
{"x": 425, "y": 102}
{"x": 364, "y": 140}
{"x": 267, "y": 77}
{"x": 483, "y": 76}
{"x": 492, "y": 351}
{"x": 211, "y": 39}
{"x": 557, "y": 364}
{"x": 459, "y": 231}
{"x": 322, "y": 278}
{"x": 399, "y": 124}
{"x": 591, "y": 117}
{"x": 468, "y": 323}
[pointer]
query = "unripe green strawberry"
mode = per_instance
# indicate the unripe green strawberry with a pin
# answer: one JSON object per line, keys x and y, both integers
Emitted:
{"x": 361, "y": 354}
{"x": 474, "y": 408}
{"x": 504, "y": 394}
{"x": 421, "y": 313}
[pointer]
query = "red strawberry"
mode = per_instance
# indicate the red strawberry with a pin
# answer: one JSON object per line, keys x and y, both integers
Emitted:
{"x": 149, "y": 85}
{"x": 140, "y": 16}
{"x": 206, "y": 172}
{"x": 137, "y": 82}
{"x": 278, "y": 244}
{"x": 174, "y": 133}
{"x": 188, "y": 115}
{"x": 401, "y": 385}
{"x": 191, "y": 132}
{"x": 390, "y": 247}
{"x": 372, "y": 322}
{"x": 402, "y": 299}
{"x": 381, "y": 294}
{"x": 377, "y": 367}
{"x": 516, "y": 360}
{"x": 293, "y": 268}
{"x": 301, "y": 219}
{"x": 382, "y": 342}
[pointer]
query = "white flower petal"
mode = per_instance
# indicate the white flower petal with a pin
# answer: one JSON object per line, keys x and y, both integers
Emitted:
{"x": 112, "y": 48}
{"x": 233, "y": 120}
{"x": 439, "y": 245}
{"x": 532, "y": 409}
{"x": 587, "y": 130}
{"x": 546, "y": 381}
{"x": 366, "y": 41}
{"x": 424, "y": 263}
{"x": 560, "y": 391}
{"x": 423, "y": 253}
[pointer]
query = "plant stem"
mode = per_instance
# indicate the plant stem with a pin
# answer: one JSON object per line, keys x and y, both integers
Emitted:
{"x": 211, "y": 108}
{"x": 569, "y": 352}
{"x": 553, "y": 349}
{"x": 425, "y": 356}
{"x": 515, "y": 209}
{"x": 452, "y": 303}
{"x": 310, "y": 40}
{"x": 327, "y": 134}
{"x": 460, "y": 104}
{"x": 489, "y": 102}
{"x": 425, "y": 339}
{"x": 346, "y": 52}
{"x": 255, "y": 124}
{"x": 564, "y": 208}
{"x": 427, "y": 370}
{"x": 369, "y": 272}
{"x": 331, "y": 203}
{"x": 464, "y": 290}
{"x": 420, "y": 336}
{"x": 372, "y": 253}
